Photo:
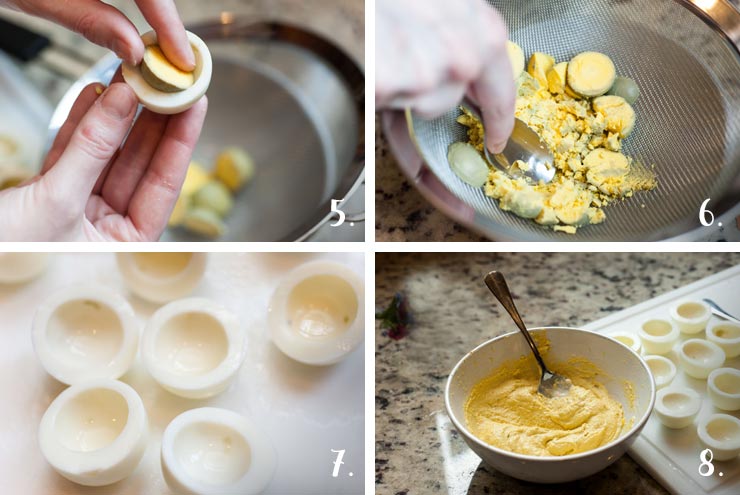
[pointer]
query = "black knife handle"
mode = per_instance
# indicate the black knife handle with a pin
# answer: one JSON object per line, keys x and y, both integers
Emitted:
{"x": 21, "y": 42}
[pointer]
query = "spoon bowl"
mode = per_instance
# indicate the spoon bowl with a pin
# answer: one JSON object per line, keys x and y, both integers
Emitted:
{"x": 524, "y": 146}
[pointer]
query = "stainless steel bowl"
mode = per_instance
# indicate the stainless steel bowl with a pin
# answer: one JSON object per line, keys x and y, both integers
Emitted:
{"x": 296, "y": 102}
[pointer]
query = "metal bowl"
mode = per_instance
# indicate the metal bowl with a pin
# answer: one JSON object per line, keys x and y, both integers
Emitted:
{"x": 295, "y": 102}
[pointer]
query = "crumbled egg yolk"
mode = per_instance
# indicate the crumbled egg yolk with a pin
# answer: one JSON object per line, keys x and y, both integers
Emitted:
{"x": 585, "y": 137}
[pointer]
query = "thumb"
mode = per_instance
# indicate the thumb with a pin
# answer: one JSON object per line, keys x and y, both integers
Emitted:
{"x": 92, "y": 145}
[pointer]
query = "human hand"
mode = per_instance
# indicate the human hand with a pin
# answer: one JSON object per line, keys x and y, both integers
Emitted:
{"x": 91, "y": 186}
{"x": 430, "y": 53}
{"x": 105, "y": 25}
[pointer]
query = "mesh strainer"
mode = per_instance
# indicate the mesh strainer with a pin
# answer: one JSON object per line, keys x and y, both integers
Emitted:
{"x": 688, "y": 114}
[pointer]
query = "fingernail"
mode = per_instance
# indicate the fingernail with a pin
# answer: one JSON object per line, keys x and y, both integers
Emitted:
{"x": 497, "y": 147}
{"x": 118, "y": 101}
{"x": 123, "y": 52}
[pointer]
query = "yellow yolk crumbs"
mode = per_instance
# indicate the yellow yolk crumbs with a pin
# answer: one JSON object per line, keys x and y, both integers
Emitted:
{"x": 585, "y": 137}
{"x": 506, "y": 411}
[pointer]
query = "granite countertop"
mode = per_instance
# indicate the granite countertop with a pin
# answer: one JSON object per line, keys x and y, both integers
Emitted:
{"x": 417, "y": 450}
{"x": 402, "y": 214}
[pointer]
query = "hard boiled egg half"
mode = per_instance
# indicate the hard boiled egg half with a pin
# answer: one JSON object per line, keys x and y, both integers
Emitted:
{"x": 316, "y": 314}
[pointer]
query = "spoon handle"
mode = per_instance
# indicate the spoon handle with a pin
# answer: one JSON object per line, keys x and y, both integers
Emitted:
{"x": 497, "y": 284}
{"x": 720, "y": 312}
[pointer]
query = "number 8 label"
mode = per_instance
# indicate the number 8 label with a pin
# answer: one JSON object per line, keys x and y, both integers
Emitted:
{"x": 706, "y": 460}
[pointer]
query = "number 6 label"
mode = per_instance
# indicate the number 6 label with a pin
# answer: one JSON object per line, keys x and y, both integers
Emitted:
{"x": 704, "y": 213}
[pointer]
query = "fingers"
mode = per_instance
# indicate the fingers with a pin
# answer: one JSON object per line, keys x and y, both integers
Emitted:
{"x": 95, "y": 20}
{"x": 155, "y": 196}
{"x": 84, "y": 101}
{"x": 132, "y": 161}
{"x": 92, "y": 145}
{"x": 494, "y": 89}
{"x": 163, "y": 17}
{"x": 433, "y": 103}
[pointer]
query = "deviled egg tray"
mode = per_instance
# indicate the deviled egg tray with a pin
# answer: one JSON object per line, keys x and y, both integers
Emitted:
{"x": 672, "y": 455}
{"x": 306, "y": 411}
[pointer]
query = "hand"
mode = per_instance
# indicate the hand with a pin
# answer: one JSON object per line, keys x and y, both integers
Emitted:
{"x": 91, "y": 186}
{"x": 105, "y": 25}
{"x": 430, "y": 53}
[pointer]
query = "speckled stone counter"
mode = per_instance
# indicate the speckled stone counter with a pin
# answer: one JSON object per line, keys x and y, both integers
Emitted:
{"x": 417, "y": 450}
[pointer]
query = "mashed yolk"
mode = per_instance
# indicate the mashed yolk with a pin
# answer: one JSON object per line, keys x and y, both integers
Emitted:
{"x": 506, "y": 411}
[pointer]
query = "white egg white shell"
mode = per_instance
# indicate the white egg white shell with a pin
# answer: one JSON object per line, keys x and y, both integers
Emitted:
{"x": 700, "y": 369}
{"x": 317, "y": 352}
{"x": 17, "y": 268}
{"x": 109, "y": 464}
{"x": 677, "y": 419}
{"x": 161, "y": 290}
{"x": 212, "y": 382}
{"x": 171, "y": 103}
{"x": 691, "y": 325}
{"x": 72, "y": 374}
{"x": 263, "y": 458}
{"x": 722, "y": 450}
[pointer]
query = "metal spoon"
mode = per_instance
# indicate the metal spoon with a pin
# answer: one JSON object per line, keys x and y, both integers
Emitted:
{"x": 720, "y": 312}
{"x": 525, "y": 145}
{"x": 551, "y": 384}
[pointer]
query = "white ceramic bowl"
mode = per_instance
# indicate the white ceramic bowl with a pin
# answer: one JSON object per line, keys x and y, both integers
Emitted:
{"x": 317, "y": 313}
{"x": 171, "y": 103}
{"x": 677, "y": 407}
{"x": 628, "y": 339}
{"x": 85, "y": 332}
{"x": 723, "y": 387}
{"x": 95, "y": 433}
{"x": 211, "y": 451}
{"x": 18, "y": 268}
{"x": 699, "y": 357}
{"x": 721, "y": 433}
{"x": 691, "y": 317}
{"x": 725, "y": 334}
{"x": 193, "y": 347}
{"x": 162, "y": 277}
{"x": 658, "y": 336}
{"x": 617, "y": 361}
{"x": 662, "y": 369}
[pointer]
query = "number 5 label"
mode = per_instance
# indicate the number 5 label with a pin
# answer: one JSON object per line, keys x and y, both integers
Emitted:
{"x": 340, "y": 221}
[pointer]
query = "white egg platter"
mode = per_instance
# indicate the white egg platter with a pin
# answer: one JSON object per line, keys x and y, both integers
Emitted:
{"x": 185, "y": 396}
{"x": 695, "y": 360}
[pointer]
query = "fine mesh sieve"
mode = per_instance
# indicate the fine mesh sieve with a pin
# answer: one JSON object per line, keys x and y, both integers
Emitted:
{"x": 688, "y": 113}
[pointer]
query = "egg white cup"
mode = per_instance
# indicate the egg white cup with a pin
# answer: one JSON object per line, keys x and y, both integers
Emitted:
{"x": 723, "y": 387}
{"x": 171, "y": 103}
{"x": 193, "y": 347}
{"x": 212, "y": 451}
{"x": 662, "y": 369}
{"x": 658, "y": 336}
{"x": 162, "y": 277}
{"x": 690, "y": 317}
{"x": 628, "y": 339}
{"x": 677, "y": 407}
{"x": 317, "y": 314}
{"x": 95, "y": 433}
{"x": 19, "y": 268}
{"x": 698, "y": 357}
{"x": 85, "y": 332}
{"x": 721, "y": 433}
{"x": 725, "y": 334}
